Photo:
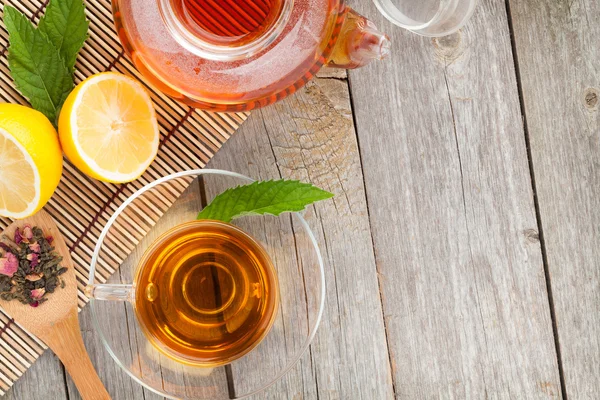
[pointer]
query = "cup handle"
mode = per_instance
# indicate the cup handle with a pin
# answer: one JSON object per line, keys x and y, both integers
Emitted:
{"x": 110, "y": 292}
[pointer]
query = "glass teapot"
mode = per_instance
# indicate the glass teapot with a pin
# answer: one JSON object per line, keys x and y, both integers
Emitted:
{"x": 237, "y": 55}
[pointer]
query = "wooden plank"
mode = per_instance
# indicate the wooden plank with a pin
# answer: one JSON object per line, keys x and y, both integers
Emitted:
{"x": 452, "y": 214}
{"x": 310, "y": 136}
{"x": 44, "y": 380}
{"x": 558, "y": 59}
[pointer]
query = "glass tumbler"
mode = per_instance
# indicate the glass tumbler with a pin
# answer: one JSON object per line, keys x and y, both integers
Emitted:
{"x": 428, "y": 17}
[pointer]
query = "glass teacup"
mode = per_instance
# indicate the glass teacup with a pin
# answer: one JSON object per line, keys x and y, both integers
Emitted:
{"x": 291, "y": 295}
{"x": 428, "y": 17}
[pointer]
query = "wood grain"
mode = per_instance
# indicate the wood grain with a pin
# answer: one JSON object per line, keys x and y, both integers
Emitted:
{"x": 452, "y": 214}
{"x": 559, "y": 64}
{"x": 310, "y": 136}
{"x": 67, "y": 343}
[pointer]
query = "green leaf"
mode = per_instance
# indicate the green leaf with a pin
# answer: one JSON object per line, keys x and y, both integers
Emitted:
{"x": 36, "y": 66}
{"x": 66, "y": 26}
{"x": 260, "y": 198}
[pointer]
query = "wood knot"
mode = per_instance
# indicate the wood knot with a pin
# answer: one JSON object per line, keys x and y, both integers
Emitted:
{"x": 590, "y": 98}
{"x": 548, "y": 388}
{"x": 531, "y": 235}
{"x": 449, "y": 48}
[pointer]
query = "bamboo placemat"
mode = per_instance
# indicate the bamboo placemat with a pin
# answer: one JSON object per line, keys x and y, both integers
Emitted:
{"x": 81, "y": 206}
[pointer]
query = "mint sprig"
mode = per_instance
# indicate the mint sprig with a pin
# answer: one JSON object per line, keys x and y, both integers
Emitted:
{"x": 39, "y": 72}
{"x": 66, "y": 26}
{"x": 263, "y": 197}
{"x": 41, "y": 60}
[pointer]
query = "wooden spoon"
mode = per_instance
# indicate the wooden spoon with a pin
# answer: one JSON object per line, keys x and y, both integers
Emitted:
{"x": 55, "y": 321}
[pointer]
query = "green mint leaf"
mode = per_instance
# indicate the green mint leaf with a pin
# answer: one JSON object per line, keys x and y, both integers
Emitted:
{"x": 66, "y": 26}
{"x": 36, "y": 66}
{"x": 260, "y": 198}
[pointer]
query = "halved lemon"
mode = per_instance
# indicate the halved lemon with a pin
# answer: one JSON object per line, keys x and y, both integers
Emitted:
{"x": 30, "y": 161}
{"x": 108, "y": 128}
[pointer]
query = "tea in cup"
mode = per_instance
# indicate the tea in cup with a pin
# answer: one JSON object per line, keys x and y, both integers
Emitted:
{"x": 205, "y": 293}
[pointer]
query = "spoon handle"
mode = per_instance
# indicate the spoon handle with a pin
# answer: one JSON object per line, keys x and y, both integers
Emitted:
{"x": 67, "y": 343}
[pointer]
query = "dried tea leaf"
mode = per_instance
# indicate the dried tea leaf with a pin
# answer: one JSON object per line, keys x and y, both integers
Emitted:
{"x": 34, "y": 267}
{"x": 9, "y": 264}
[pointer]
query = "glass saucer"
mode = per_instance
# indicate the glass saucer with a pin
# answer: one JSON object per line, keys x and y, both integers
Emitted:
{"x": 289, "y": 243}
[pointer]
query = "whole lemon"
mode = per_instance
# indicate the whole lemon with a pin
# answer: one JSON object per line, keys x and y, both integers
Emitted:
{"x": 30, "y": 161}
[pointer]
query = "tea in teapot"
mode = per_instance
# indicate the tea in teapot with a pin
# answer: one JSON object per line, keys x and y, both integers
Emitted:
{"x": 229, "y": 22}
{"x": 237, "y": 55}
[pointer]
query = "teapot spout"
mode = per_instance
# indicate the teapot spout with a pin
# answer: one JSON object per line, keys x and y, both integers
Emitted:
{"x": 359, "y": 43}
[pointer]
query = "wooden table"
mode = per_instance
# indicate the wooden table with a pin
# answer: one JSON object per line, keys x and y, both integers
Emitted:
{"x": 462, "y": 249}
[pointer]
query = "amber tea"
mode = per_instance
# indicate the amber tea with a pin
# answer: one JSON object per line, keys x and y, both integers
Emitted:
{"x": 228, "y": 22}
{"x": 206, "y": 293}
